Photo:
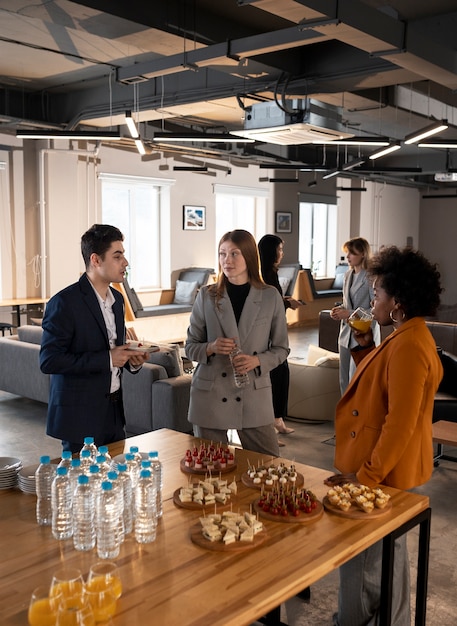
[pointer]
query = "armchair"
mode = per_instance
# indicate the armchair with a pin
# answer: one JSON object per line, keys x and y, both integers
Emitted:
{"x": 314, "y": 388}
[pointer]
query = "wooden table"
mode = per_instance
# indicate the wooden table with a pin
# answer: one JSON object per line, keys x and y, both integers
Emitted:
{"x": 176, "y": 582}
{"x": 16, "y": 303}
{"x": 444, "y": 433}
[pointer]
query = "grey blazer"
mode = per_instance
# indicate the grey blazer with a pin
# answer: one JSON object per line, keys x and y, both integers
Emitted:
{"x": 215, "y": 401}
{"x": 362, "y": 296}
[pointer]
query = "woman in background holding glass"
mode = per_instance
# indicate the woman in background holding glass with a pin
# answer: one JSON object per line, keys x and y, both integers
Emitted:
{"x": 239, "y": 310}
{"x": 357, "y": 292}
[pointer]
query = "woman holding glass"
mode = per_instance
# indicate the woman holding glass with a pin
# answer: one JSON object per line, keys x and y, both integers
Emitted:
{"x": 383, "y": 422}
{"x": 239, "y": 310}
{"x": 357, "y": 292}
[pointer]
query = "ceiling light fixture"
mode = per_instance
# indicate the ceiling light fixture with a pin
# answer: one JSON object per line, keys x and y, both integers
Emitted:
{"x": 428, "y": 131}
{"x": 351, "y": 188}
{"x": 199, "y": 138}
{"x": 380, "y": 153}
{"x": 451, "y": 145}
{"x": 133, "y": 130}
{"x": 69, "y": 134}
{"x": 140, "y": 146}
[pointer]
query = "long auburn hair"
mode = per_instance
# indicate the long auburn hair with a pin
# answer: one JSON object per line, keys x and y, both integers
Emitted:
{"x": 248, "y": 248}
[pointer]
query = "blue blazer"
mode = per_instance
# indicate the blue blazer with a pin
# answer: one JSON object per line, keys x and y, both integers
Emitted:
{"x": 75, "y": 351}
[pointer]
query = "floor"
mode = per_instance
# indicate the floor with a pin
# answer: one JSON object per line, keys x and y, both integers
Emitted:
{"x": 22, "y": 427}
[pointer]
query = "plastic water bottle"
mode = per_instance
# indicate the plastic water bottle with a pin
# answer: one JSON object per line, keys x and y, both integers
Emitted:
{"x": 74, "y": 473}
{"x": 136, "y": 453}
{"x": 62, "y": 527}
{"x": 113, "y": 477}
{"x": 83, "y": 515}
{"x": 86, "y": 461}
{"x": 90, "y": 445}
{"x": 104, "y": 464}
{"x": 145, "y": 508}
{"x": 66, "y": 459}
{"x": 44, "y": 476}
{"x": 104, "y": 450}
{"x": 126, "y": 484}
{"x": 95, "y": 482}
{"x": 133, "y": 468}
{"x": 107, "y": 523}
{"x": 241, "y": 380}
{"x": 156, "y": 467}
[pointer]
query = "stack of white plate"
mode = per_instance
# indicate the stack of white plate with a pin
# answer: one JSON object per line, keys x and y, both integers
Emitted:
{"x": 9, "y": 467}
{"x": 26, "y": 479}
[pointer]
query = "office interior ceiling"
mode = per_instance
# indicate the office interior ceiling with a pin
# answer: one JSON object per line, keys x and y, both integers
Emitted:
{"x": 198, "y": 65}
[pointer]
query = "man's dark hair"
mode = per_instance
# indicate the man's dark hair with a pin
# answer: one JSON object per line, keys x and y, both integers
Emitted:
{"x": 98, "y": 240}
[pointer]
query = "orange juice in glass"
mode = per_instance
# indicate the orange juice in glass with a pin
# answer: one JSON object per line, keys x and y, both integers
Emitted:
{"x": 42, "y": 608}
{"x": 360, "y": 320}
{"x": 105, "y": 576}
{"x": 103, "y": 603}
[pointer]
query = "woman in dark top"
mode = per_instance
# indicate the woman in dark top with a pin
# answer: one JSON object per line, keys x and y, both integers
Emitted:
{"x": 271, "y": 253}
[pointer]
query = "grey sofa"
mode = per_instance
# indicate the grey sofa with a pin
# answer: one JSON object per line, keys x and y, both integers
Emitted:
{"x": 156, "y": 397}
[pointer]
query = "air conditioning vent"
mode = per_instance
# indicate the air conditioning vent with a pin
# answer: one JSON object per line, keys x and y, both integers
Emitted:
{"x": 308, "y": 121}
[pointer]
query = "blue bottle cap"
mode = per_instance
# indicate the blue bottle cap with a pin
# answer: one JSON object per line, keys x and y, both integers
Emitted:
{"x": 45, "y": 459}
{"x": 61, "y": 471}
{"x": 83, "y": 480}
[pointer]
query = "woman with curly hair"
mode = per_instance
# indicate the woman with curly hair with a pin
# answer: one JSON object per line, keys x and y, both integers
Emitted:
{"x": 383, "y": 422}
{"x": 239, "y": 310}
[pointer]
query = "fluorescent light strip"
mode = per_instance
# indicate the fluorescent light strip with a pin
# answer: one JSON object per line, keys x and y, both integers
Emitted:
{"x": 68, "y": 134}
{"x": 388, "y": 150}
{"x": 140, "y": 146}
{"x": 426, "y": 132}
{"x": 451, "y": 145}
{"x": 133, "y": 130}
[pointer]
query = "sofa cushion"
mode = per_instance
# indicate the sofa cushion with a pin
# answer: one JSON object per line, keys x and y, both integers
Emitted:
{"x": 169, "y": 357}
{"x": 30, "y": 334}
{"x": 315, "y": 354}
{"x": 185, "y": 292}
{"x": 328, "y": 361}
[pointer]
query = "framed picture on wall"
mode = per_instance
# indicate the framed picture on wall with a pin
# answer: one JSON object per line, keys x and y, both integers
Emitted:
{"x": 283, "y": 222}
{"x": 194, "y": 217}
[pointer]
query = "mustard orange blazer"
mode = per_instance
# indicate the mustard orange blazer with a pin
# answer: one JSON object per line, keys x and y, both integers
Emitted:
{"x": 383, "y": 422}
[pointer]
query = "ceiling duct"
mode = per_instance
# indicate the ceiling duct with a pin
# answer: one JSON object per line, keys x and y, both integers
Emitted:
{"x": 301, "y": 122}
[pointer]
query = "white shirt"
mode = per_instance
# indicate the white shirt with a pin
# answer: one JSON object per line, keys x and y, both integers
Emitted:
{"x": 106, "y": 307}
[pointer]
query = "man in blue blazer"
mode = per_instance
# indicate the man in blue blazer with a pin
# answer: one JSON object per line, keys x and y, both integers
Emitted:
{"x": 83, "y": 347}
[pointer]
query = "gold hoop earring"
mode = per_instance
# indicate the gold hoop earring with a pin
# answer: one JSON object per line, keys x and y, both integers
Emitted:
{"x": 394, "y": 321}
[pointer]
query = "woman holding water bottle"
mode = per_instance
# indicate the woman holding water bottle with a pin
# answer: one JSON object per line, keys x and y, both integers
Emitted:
{"x": 240, "y": 312}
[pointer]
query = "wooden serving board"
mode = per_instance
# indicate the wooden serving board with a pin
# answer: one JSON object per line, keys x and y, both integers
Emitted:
{"x": 197, "y": 537}
{"x": 203, "y": 471}
{"x": 194, "y": 506}
{"x": 303, "y": 518}
{"x": 249, "y": 482}
{"x": 354, "y": 512}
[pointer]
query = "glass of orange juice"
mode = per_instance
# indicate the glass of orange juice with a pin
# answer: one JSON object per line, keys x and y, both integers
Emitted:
{"x": 103, "y": 603}
{"x": 104, "y": 575}
{"x": 75, "y": 611}
{"x": 43, "y": 608}
{"x": 360, "y": 320}
{"x": 67, "y": 582}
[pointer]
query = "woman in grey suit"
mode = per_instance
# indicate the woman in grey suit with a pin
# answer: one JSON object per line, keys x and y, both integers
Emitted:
{"x": 357, "y": 291}
{"x": 239, "y": 310}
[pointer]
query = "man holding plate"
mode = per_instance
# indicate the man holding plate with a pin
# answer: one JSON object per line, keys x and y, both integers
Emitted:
{"x": 84, "y": 349}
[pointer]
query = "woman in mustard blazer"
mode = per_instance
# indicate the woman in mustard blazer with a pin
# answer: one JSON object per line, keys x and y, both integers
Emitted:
{"x": 383, "y": 422}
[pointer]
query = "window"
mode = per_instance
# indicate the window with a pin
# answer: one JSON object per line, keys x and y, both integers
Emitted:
{"x": 317, "y": 237}
{"x": 137, "y": 206}
{"x": 240, "y": 207}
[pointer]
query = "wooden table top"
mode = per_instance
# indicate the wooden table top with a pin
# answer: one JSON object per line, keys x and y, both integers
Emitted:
{"x": 22, "y": 301}
{"x": 178, "y": 582}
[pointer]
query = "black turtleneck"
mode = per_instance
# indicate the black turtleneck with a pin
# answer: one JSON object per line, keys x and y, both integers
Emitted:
{"x": 238, "y": 295}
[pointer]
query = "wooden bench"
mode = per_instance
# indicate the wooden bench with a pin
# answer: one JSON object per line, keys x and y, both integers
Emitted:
{"x": 444, "y": 433}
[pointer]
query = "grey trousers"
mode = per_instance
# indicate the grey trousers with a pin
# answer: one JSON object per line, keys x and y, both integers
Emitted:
{"x": 359, "y": 597}
{"x": 261, "y": 439}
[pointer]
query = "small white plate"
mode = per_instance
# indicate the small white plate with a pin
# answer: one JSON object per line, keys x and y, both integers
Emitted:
{"x": 9, "y": 463}
{"x": 143, "y": 346}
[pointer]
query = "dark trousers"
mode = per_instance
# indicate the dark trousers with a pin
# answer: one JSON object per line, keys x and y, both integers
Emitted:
{"x": 280, "y": 388}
